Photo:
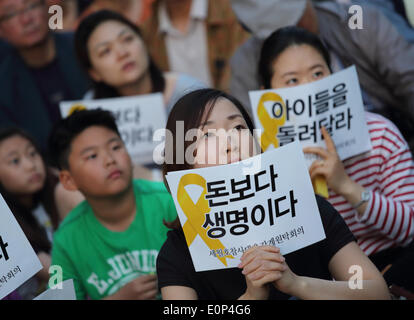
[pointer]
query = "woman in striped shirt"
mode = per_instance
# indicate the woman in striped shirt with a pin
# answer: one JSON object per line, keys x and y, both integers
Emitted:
{"x": 374, "y": 191}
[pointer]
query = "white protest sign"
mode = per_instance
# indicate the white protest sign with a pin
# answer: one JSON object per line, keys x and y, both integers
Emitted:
{"x": 297, "y": 113}
{"x": 137, "y": 118}
{"x": 18, "y": 261}
{"x": 65, "y": 291}
{"x": 224, "y": 212}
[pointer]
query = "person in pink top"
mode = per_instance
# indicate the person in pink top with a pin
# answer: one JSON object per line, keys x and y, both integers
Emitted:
{"x": 374, "y": 191}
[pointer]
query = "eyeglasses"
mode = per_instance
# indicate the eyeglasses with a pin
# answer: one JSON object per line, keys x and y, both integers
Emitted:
{"x": 29, "y": 8}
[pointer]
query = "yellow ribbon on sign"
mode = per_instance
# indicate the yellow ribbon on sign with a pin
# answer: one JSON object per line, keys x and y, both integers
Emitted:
{"x": 271, "y": 126}
{"x": 195, "y": 213}
{"x": 76, "y": 107}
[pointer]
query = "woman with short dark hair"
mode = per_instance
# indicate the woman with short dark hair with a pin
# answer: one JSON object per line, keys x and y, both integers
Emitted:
{"x": 111, "y": 50}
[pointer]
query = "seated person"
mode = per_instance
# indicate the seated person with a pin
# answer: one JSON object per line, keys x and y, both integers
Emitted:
{"x": 263, "y": 272}
{"x": 373, "y": 191}
{"x": 109, "y": 243}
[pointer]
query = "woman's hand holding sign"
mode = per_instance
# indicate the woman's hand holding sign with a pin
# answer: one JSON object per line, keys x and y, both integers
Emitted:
{"x": 263, "y": 265}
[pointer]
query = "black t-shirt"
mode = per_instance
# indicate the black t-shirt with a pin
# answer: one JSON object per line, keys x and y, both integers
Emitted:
{"x": 175, "y": 267}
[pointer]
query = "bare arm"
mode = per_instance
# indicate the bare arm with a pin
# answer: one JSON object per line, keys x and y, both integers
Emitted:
{"x": 372, "y": 286}
{"x": 255, "y": 291}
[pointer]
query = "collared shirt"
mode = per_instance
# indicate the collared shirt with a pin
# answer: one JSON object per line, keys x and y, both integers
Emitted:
{"x": 188, "y": 52}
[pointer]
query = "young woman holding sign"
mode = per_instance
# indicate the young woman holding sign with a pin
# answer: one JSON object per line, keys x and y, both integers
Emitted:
{"x": 373, "y": 191}
{"x": 263, "y": 272}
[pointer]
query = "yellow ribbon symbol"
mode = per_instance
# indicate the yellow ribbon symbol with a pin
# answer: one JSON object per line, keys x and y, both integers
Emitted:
{"x": 271, "y": 126}
{"x": 195, "y": 213}
{"x": 76, "y": 107}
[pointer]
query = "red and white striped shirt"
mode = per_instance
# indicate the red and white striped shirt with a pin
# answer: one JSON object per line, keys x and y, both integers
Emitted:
{"x": 387, "y": 171}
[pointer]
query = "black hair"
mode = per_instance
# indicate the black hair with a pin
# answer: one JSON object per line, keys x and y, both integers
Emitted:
{"x": 190, "y": 109}
{"x": 82, "y": 35}
{"x": 67, "y": 129}
{"x": 278, "y": 42}
{"x": 34, "y": 232}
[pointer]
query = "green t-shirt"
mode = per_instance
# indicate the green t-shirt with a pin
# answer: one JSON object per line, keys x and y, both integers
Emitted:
{"x": 101, "y": 261}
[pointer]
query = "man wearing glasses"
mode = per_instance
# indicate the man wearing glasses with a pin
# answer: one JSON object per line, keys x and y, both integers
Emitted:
{"x": 38, "y": 68}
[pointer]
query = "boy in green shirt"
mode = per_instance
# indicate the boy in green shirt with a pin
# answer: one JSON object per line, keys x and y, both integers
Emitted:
{"x": 109, "y": 243}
